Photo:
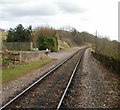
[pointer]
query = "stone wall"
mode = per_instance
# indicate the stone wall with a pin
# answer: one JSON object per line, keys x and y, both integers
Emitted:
{"x": 32, "y": 56}
{"x": 17, "y": 45}
{"x": 25, "y": 56}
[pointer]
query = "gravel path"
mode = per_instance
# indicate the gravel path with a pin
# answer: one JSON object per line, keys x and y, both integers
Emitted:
{"x": 12, "y": 88}
{"x": 93, "y": 86}
{"x": 62, "y": 54}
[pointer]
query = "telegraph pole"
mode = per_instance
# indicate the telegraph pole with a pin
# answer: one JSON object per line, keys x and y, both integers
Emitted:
{"x": 96, "y": 34}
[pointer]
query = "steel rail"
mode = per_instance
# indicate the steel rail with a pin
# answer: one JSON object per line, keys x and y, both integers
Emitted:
{"x": 32, "y": 85}
{"x": 69, "y": 82}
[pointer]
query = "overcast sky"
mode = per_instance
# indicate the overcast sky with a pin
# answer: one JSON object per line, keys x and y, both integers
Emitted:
{"x": 84, "y": 15}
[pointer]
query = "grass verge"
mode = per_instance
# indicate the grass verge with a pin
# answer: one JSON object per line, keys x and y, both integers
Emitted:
{"x": 10, "y": 74}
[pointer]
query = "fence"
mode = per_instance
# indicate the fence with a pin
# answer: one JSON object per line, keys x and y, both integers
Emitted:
{"x": 17, "y": 45}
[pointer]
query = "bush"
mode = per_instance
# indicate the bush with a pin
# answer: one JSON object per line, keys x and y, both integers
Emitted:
{"x": 45, "y": 42}
{"x": 109, "y": 62}
{"x": 6, "y": 61}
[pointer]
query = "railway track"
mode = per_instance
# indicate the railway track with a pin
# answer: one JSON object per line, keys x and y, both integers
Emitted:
{"x": 49, "y": 91}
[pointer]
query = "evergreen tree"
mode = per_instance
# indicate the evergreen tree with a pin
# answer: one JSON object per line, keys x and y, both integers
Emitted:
{"x": 19, "y": 34}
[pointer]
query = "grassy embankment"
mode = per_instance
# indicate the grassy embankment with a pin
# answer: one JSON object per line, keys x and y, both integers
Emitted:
{"x": 111, "y": 64}
{"x": 10, "y": 74}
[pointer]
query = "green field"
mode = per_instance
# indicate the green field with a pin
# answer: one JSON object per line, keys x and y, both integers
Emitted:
{"x": 10, "y": 74}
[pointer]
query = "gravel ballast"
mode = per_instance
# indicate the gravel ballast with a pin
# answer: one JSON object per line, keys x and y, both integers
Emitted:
{"x": 93, "y": 86}
{"x": 47, "y": 93}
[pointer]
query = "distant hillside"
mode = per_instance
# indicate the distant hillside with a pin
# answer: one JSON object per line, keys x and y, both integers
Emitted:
{"x": 101, "y": 45}
{"x": 65, "y": 36}
{"x": 74, "y": 38}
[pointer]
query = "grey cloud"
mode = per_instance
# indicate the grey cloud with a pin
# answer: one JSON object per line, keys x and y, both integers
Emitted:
{"x": 13, "y": 9}
{"x": 69, "y": 7}
{"x": 32, "y": 12}
{"x": 84, "y": 19}
{"x": 26, "y": 10}
{"x": 7, "y": 2}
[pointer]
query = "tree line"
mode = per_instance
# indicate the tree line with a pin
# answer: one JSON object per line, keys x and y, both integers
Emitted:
{"x": 47, "y": 37}
{"x": 42, "y": 37}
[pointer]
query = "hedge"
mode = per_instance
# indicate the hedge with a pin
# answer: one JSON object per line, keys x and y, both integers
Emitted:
{"x": 45, "y": 42}
{"x": 109, "y": 62}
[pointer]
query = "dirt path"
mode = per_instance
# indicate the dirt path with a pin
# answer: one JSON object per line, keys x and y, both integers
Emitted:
{"x": 93, "y": 87}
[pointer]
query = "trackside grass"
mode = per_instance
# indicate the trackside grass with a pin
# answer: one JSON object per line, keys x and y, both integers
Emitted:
{"x": 10, "y": 74}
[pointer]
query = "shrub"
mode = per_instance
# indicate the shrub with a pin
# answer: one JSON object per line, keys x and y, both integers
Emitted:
{"x": 45, "y": 42}
{"x": 6, "y": 61}
{"x": 109, "y": 62}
